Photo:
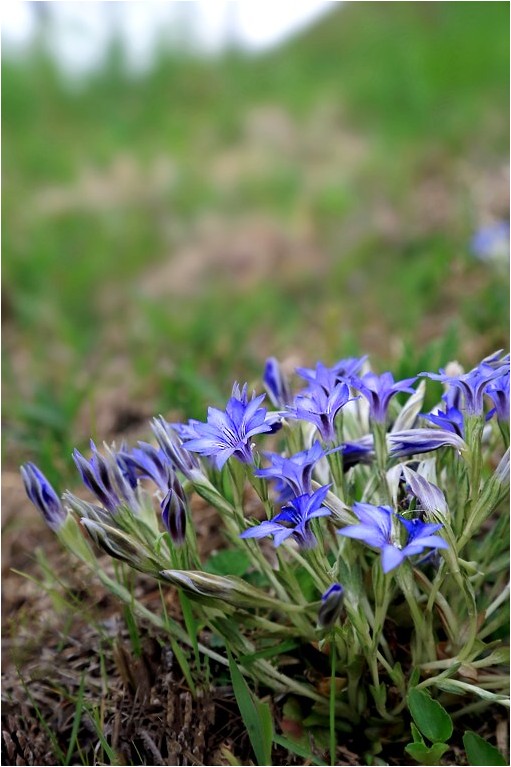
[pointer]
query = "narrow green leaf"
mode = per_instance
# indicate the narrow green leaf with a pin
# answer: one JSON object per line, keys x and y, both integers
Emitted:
{"x": 479, "y": 751}
{"x": 430, "y": 717}
{"x": 296, "y": 748}
{"x": 269, "y": 652}
{"x": 76, "y": 721}
{"x": 256, "y": 715}
{"x": 424, "y": 755}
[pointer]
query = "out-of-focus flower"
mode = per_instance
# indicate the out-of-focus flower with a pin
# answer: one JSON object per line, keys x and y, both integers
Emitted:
{"x": 331, "y": 606}
{"x": 43, "y": 496}
{"x": 172, "y": 446}
{"x": 472, "y": 384}
{"x": 491, "y": 243}
{"x": 451, "y": 420}
{"x": 321, "y": 408}
{"x": 498, "y": 391}
{"x": 276, "y": 383}
{"x": 105, "y": 479}
{"x": 295, "y": 471}
{"x": 148, "y": 462}
{"x": 361, "y": 451}
{"x": 379, "y": 390}
{"x": 229, "y": 432}
{"x": 342, "y": 372}
{"x": 294, "y": 520}
{"x": 381, "y": 528}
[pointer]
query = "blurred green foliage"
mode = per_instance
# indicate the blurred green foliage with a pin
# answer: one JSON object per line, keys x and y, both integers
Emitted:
{"x": 366, "y": 135}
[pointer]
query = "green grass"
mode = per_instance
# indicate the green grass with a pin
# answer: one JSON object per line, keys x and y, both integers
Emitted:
{"x": 420, "y": 88}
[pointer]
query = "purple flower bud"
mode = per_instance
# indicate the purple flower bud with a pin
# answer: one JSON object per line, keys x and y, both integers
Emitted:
{"x": 43, "y": 496}
{"x": 331, "y": 607}
{"x": 172, "y": 446}
{"x": 173, "y": 513}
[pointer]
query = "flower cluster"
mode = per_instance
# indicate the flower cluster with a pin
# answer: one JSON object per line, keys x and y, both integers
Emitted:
{"x": 350, "y": 459}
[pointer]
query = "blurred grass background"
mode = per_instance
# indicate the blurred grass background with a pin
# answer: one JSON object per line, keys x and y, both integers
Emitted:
{"x": 163, "y": 233}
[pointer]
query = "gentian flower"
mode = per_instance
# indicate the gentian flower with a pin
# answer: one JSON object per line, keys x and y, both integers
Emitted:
{"x": 173, "y": 508}
{"x": 148, "y": 462}
{"x": 294, "y": 520}
{"x": 172, "y": 446}
{"x": 498, "y": 391}
{"x": 331, "y": 606}
{"x": 491, "y": 243}
{"x": 472, "y": 384}
{"x": 343, "y": 371}
{"x": 361, "y": 451}
{"x": 105, "y": 479}
{"x": 296, "y": 471}
{"x": 379, "y": 390}
{"x": 229, "y": 432}
{"x": 412, "y": 441}
{"x": 276, "y": 383}
{"x": 321, "y": 408}
{"x": 450, "y": 420}
{"x": 380, "y": 527}
{"x": 43, "y": 496}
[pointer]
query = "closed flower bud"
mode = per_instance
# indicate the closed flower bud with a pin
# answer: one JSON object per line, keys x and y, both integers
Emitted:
{"x": 331, "y": 607}
{"x": 43, "y": 496}
{"x": 173, "y": 513}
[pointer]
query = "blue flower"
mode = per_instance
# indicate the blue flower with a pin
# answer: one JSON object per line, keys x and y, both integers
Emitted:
{"x": 276, "y": 383}
{"x": 321, "y": 408}
{"x": 342, "y": 372}
{"x": 172, "y": 446}
{"x": 229, "y": 432}
{"x": 381, "y": 528}
{"x": 474, "y": 383}
{"x": 294, "y": 520}
{"x": 361, "y": 451}
{"x": 296, "y": 471}
{"x": 450, "y": 420}
{"x": 379, "y": 390}
{"x": 498, "y": 391}
{"x": 173, "y": 508}
{"x": 331, "y": 606}
{"x": 412, "y": 441}
{"x": 110, "y": 482}
{"x": 147, "y": 462}
{"x": 43, "y": 496}
{"x": 491, "y": 243}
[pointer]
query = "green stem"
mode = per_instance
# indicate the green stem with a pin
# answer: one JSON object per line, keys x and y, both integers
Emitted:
{"x": 381, "y": 450}
{"x": 333, "y": 739}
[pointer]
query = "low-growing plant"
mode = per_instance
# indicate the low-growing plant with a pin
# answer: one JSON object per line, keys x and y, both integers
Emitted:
{"x": 381, "y": 607}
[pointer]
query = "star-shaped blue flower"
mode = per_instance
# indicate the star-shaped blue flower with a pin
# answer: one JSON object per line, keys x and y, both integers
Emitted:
{"x": 294, "y": 520}
{"x": 342, "y": 372}
{"x": 474, "y": 383}
{"x": 229, "y": 432}
{"x": 295, "y": 471}
{"x": 381, "y": 528}
{"x": 379, "y": 390}
{"x": 321, "y": 408}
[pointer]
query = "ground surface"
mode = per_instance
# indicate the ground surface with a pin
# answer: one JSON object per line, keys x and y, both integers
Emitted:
{"x": 181, "y": 229}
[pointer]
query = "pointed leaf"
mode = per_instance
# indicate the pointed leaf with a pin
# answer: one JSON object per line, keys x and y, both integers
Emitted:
{"x": 479, "y": 751}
